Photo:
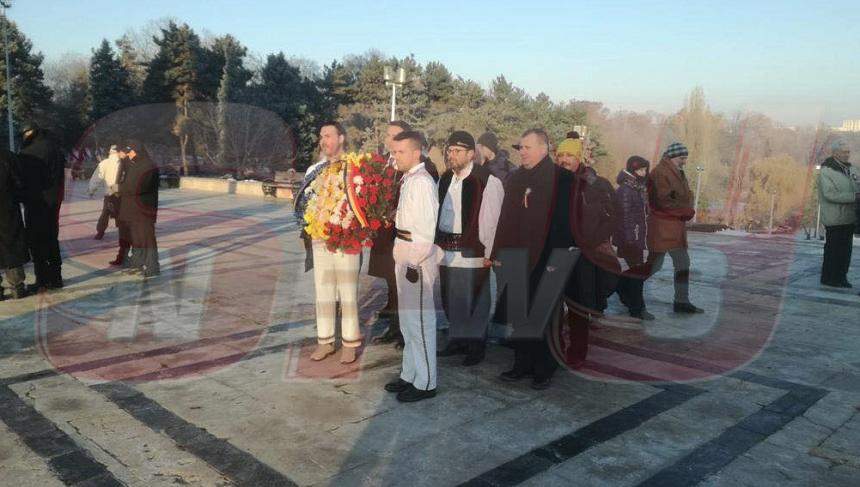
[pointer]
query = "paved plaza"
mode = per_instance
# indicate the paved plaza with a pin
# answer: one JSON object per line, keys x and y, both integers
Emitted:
{"x": 202, "y": 376}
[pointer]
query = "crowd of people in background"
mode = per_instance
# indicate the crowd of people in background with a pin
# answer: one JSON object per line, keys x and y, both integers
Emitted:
{"x": 32, "y": 188}
{"x": 128, "y": 180}
{"x": 450, "y": 232}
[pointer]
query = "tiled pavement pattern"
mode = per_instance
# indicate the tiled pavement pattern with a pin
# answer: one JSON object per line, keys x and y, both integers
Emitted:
{"x": 201, "y": 377}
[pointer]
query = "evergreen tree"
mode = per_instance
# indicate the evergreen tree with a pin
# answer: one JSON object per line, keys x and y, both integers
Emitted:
{"x": 438, "y": 82}
{"x": 225, "y": 58}
{"x": 297, "y": 100}
{"x": 227, "y": 52}
{"x": 133, "y": 63}
{"x": 335, "y": 88}
{"x": 31, "y": 98}
{"x": 68, "y": 80}
{"x": 110, "y": 86}
{"x": 174, "y": 76}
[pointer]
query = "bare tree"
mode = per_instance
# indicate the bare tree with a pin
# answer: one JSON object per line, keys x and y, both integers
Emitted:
{"x": 251, "y": 136}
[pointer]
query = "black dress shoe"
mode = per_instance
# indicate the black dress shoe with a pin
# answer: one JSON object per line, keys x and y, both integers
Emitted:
{"x": 451, "y": 350}
{"x": 835, "y": 284}
{"x": 390, "y": 336}
{"x": 387, "y": 313}
{"x": 36, "y": 288}
{"x": 541, "y": 383}
{"x": 473, "y": 358}
{"x": 642, "y": 315}
{"x": 686, "y": 308}
{"x": 398, "y": 385}
{"x": 513, "y": 375}
{"x": 20, "y": 291}
{"x": 411, "y": 394}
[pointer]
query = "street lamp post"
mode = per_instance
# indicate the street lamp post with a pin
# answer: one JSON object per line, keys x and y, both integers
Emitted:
{"x": 394, "y": 79}
{"x": 772, "y": 207}
{"x": 699, "y": 169}
{"x": 8, "y": 4}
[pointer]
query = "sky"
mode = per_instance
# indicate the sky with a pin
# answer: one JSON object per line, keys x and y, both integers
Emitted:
{"x": 797, "y": 62}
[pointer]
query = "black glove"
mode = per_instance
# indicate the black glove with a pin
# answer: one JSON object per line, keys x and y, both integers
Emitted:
{"x": 412, "y": 274}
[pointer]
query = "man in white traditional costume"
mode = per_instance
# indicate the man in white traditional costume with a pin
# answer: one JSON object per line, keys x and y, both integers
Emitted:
{"x": 335, "y": 273}
{"x": 416, "y": 259}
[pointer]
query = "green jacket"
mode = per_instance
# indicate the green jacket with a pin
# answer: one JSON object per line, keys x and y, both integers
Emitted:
{"x": 837, "y": 187}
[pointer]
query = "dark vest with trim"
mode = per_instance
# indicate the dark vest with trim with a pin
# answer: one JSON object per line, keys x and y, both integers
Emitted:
{"x": 467, "y": 242}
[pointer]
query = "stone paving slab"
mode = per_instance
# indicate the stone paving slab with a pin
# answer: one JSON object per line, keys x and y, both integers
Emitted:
{"x": 20, "y": 466}
{"x": 136, "y": 454}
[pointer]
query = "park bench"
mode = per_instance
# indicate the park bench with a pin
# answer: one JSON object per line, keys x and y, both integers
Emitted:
{"x": 284, "y": 185}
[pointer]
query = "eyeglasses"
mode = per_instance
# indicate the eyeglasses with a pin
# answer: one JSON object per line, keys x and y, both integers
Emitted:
{"x": 456, "y": 150}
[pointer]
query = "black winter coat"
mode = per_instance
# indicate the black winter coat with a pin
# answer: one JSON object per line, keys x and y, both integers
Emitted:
{"x": 13, "y": 248}
{"x": 53, "y": 171}
{"x": 500, "y": 166}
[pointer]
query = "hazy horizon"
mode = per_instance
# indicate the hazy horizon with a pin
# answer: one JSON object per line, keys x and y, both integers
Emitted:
{"x": 786, "y": 60}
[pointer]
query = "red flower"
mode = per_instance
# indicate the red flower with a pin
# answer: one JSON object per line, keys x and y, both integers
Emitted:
{"x": 375, "y": 224}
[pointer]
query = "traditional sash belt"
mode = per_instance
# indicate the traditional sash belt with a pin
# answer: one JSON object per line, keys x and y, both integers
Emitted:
{"x": 451, "y": 242}
{"x": 403, "y": 234}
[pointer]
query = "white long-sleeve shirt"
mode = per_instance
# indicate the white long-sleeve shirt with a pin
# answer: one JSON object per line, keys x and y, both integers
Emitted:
{"x": 450, "y": 218}
{"x": 104, "y": 177}
{"x": 416, "y": 213}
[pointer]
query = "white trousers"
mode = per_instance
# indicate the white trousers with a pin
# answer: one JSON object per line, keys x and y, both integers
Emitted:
{"x": 417, "y": 309}
{"x": 336, "y": 279}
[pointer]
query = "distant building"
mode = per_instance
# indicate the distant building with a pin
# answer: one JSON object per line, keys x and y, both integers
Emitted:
{"x": 849, "y": 126}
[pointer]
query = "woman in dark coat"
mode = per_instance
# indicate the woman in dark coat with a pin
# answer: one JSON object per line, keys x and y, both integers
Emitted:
{"x": 630, "y": 234}
{"x": 13, "y": 247}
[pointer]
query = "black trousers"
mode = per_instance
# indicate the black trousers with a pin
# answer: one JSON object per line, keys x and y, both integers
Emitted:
{"x": 391, "y": 308}
{"x": 42, "y": 230}
{"x": 837, "y": 254}
{"x": 109, "y": 209}
{"x": 534, "y": 357}
{"x": 466, "y": 301}
{"x": 631, "y": 284}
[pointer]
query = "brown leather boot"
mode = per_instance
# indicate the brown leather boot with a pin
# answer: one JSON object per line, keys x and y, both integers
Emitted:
{"x": 347, "y": 355}
{"x": 323, "y": 350}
